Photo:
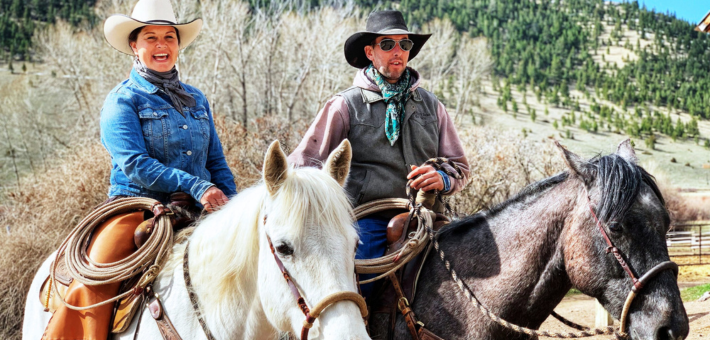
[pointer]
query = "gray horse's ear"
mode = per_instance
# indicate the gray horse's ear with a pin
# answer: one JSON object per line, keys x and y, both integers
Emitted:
{"x": 338, "y": 163}
{"x": 626, "y": 151}
{"x": 575, "y": 163}
{"x": 275, "y": 166}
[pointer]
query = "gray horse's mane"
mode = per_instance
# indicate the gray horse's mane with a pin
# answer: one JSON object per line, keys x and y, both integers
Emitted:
{"x": 619, "y": 182}
{"x": 617, "y": 179}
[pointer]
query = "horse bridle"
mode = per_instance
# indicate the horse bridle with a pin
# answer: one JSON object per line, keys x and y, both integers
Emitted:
{"x": 312, "y": 314}
{"x": 638, "y": 284}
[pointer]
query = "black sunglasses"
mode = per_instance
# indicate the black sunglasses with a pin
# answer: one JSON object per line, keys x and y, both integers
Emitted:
{"x": 388, "y": 44}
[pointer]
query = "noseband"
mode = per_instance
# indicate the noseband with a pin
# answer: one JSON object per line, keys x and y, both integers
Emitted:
{"x": 638, "y": 283}
{"x": 313, "y": 314}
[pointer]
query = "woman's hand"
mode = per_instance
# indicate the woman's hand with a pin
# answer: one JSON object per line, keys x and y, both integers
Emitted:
{"x": 213, "y": 198}
{"x": 429, "y": 179}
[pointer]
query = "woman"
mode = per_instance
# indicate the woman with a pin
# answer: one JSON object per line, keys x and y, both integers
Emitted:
{"x": 161, "y": 138}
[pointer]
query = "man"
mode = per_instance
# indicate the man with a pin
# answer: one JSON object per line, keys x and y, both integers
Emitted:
{"x": 392, "y": 124}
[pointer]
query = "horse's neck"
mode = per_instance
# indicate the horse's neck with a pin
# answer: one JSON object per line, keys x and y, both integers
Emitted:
{"x": 517, "y": 267}
{"x": 231, "y": 314}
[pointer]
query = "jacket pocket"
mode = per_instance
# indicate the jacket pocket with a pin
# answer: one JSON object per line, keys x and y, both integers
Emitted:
{"x": 203, "y": 120}
{"x": 357, "y": 181}
{"x": 424, "y": 118}
{"x": 156, "y": 129}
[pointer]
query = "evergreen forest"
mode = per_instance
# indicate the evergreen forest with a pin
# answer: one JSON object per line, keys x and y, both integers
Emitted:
{"x": 549, "y": 48}
{"x": 20, "y": 18}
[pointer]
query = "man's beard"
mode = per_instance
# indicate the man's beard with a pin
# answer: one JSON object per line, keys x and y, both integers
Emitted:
{"x": 385, "y": 72}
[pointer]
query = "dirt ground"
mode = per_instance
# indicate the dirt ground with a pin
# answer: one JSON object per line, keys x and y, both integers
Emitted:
{"x": 581, "y": 309}
{"x": 693, "y": 274}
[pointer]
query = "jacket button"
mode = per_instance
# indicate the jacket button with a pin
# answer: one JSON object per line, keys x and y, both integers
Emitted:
{"x": 155, "y": 113}
{"x": 184, "y": 126}
{"x": 189, "y": 153}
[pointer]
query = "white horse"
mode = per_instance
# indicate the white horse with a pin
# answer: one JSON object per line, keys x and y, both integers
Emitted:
{"x": 240, "y": 289}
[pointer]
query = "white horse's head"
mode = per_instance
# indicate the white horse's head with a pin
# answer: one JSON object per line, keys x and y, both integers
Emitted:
{"x": 310, "y": 224}
{"x": 309, "y": 221}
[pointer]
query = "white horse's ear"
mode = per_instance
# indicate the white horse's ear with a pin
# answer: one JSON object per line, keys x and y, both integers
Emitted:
{"x": 275, "y": 166}
{"x": 626, "y": 151}
{"x": 574, "y": 162}
{"x": 338, "y": 163}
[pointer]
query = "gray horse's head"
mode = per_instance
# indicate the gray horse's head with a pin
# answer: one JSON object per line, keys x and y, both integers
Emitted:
{"x": 631, "y": 209}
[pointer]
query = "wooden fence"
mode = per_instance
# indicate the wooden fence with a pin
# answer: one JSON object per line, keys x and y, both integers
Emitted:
{"x": 689, "y": 243}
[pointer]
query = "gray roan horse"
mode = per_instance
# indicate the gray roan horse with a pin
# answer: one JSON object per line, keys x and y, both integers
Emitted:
{"x": 521, "y": 257}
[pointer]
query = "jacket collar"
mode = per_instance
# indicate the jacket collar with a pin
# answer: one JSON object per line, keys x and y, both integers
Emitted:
{"x": 142, "y": 82}
{"x": 362, "y": 81}
{"x": 372, "y": 92}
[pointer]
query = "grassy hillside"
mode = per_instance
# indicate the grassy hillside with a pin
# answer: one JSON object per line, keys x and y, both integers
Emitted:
{"x": 593, "y": 73}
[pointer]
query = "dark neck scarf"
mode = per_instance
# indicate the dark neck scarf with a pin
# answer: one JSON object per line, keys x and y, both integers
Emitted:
{"x": 395, "y": 96}
{"x": 169, "y": 82}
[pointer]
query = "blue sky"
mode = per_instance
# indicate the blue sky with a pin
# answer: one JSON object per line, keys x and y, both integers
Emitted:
{"x": 690, "y": 10}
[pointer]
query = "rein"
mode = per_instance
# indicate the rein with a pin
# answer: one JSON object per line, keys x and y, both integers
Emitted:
{"x": 312, "y": 314}
{"x": 191, "y": 292}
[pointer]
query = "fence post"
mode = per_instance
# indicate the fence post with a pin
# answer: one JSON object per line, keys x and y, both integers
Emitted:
{"x": 603, "y": 318}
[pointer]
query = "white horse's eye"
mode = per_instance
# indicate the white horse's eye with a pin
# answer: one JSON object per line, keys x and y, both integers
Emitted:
{"x": 284, "y": 249}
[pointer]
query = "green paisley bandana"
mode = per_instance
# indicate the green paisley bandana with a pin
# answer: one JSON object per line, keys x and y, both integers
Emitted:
{"x": 395, "y": 96}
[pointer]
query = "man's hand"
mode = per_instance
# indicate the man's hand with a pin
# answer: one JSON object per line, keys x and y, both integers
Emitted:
{"x": 429, "y": 179}
{"x": 213, "y": 198}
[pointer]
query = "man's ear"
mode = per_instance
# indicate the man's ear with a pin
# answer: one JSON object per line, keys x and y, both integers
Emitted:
{"x": 370, "y": 52}
{"x": 133, "y": 47}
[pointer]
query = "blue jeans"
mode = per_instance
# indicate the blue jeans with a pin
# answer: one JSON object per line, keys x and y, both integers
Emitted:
{"x": 373, "y": 238}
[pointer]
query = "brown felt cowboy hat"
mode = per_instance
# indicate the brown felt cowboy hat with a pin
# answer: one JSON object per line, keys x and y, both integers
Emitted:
{"x": 704, "y": 25}
{"x": 148, "y": 12}
{"x": 379, "y": 24}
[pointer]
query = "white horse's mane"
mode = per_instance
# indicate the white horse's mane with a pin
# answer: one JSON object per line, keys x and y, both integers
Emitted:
{"x": 226, "y": 243}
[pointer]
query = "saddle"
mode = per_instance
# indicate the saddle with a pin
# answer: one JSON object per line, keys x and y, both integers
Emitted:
{"x": 184, "y": 213}
{"x": 398, "y": 291}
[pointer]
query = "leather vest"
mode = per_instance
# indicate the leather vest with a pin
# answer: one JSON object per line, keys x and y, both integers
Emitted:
{"x": 378, "y": 169}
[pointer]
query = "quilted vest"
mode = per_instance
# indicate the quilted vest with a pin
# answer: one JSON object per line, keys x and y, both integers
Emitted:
{"x": 378, "y": 169}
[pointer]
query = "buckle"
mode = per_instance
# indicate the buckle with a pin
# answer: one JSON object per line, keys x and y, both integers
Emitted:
{"x": 402, "y": 303}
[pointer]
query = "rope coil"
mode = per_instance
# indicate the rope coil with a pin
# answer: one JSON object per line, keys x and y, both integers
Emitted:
{"x": 388, "y": 264}
{"x": 147, "y": 259}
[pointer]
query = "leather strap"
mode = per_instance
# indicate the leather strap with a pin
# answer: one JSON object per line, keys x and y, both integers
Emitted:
{"x": 416, "y": 328}
{"x": 403, "y": 306}
{"x": 167, "y": 330}
{"x": 425, "y": 334}
{"x": 191, "y": 292}
{"x": 294, "y": 291}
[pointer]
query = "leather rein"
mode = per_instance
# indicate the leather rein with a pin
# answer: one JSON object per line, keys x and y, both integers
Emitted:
{"x": 312, "y": 314}
{"x": 638, "y": 283}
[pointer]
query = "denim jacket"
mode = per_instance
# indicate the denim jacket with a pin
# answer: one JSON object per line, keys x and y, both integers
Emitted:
{"x": 155, "y": 150}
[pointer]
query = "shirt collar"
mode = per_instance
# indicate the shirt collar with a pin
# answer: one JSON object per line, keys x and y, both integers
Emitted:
{"x": 142, "y": 82}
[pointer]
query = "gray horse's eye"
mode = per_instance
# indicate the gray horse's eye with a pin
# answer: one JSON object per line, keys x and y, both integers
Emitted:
{"x": 615, "y": 227}
{"x": 284, "y": 249}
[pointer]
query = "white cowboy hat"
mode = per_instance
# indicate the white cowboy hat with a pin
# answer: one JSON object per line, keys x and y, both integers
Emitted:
{"x": 148, "y": 12}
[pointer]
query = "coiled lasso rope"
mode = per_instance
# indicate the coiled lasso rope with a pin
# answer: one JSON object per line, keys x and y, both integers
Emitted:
{"x": 148, "y": 259}
{"x": 388, "y": 264}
